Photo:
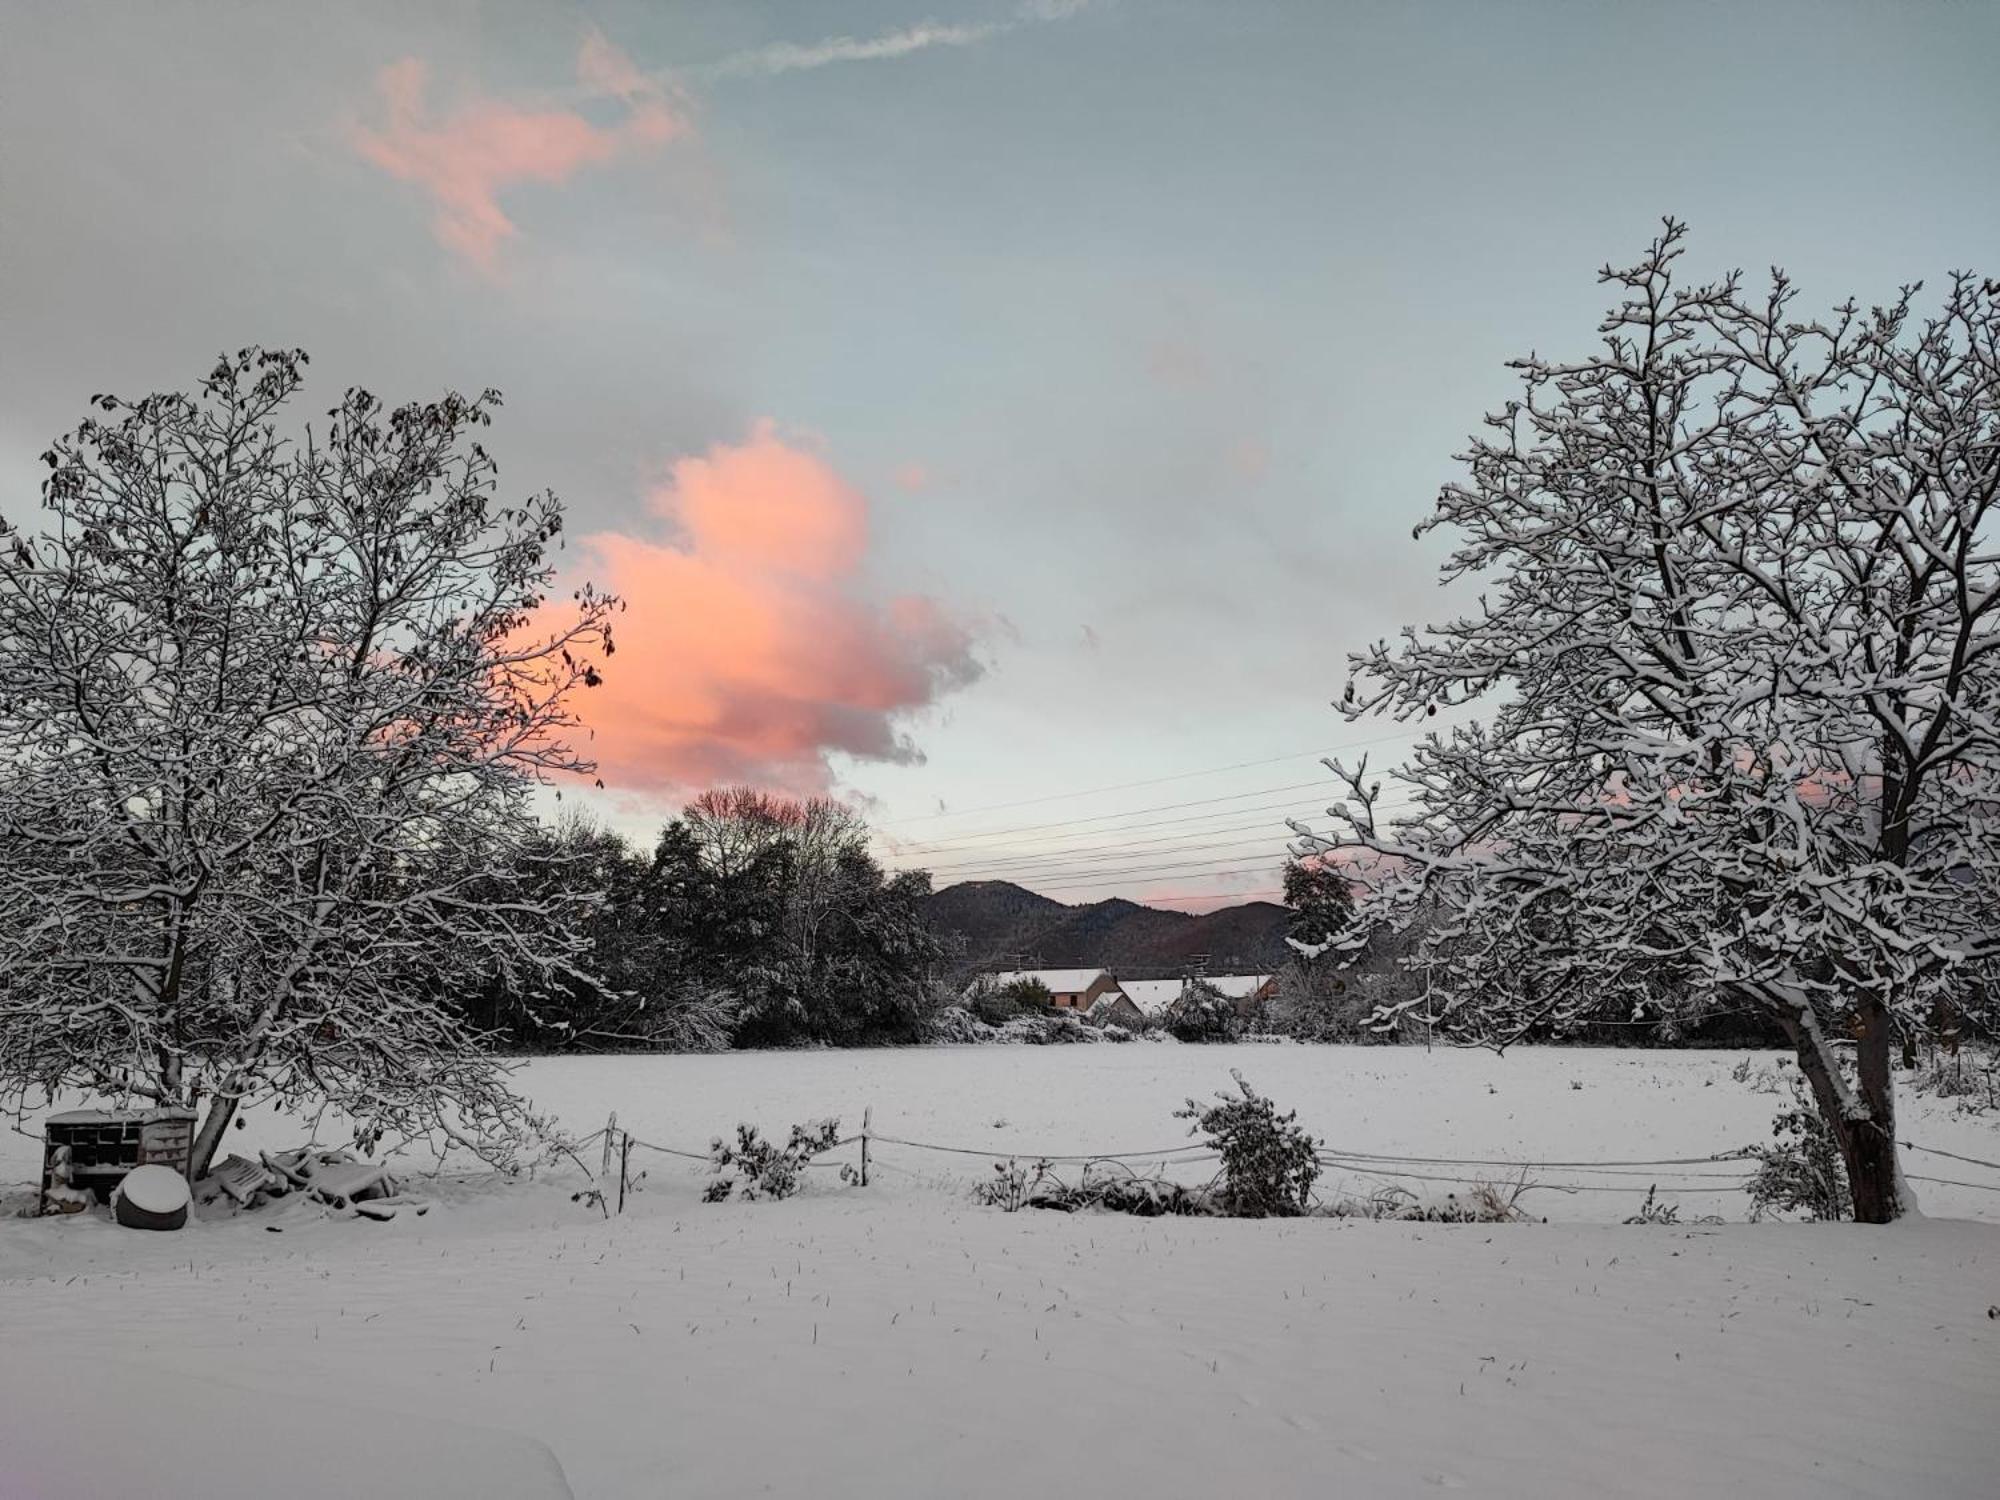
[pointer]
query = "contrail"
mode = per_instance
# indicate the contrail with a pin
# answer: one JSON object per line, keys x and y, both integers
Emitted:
{"x": 799, "y": 57}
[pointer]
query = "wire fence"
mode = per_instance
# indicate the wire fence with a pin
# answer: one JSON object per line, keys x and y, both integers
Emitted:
{"x": 1682, "y": 1175}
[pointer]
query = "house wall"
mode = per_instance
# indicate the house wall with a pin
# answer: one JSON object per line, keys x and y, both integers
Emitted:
{"x": 1101, "y": 986}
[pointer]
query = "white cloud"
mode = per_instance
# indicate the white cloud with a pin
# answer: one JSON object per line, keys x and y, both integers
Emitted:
{"x": 795, "y": 57}
{"x": 799, "y": 57}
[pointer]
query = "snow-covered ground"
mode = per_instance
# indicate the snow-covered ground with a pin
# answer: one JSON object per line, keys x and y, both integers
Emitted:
{"x": 899, "y": 1341}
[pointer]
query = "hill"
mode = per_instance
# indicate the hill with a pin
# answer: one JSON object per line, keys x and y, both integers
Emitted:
{"x": 992, "y": 921}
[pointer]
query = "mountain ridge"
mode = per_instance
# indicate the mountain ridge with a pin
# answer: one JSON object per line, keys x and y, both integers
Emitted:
{"x": 991, "y": 923}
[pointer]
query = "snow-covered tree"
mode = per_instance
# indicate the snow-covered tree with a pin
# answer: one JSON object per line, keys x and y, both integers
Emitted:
{"x": 271, "y": 710}
{"x": 1320, "y": 900}
{"x": 1738, "y": 634}
{"x": 636, "y": 989}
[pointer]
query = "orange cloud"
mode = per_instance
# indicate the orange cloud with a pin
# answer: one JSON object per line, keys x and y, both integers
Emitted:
{"x": 749, "y": 649}
{"x": 467, "y": 159}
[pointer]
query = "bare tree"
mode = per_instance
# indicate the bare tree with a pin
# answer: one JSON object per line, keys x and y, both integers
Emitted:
{"x": 271, "y": 710}
{"x": 1739, "y": 625}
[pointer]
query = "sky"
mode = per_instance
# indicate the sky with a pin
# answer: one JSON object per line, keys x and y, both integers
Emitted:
{"x": 1004, "y": 416}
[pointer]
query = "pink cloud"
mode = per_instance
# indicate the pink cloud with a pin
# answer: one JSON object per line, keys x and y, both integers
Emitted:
{"x": 750, "y": 648}
{"x": 467, "y": 159}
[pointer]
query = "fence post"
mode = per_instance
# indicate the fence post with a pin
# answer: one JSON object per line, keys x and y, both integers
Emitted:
{"x": 867, "y": 1116}
{"x": 624, "y": 1158}
{"x": 610, "y": 1134}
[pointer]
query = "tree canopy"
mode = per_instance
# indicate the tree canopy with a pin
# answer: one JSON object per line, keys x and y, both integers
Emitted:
{"x": 271, "y": 708}
{"x": 1736, "y": 635}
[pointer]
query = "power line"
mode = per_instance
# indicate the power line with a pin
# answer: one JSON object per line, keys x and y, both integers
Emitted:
{"x": 1133, "y": 812}
{"x": 1087, "y": 863}
{"x": 921, "y": 850}
{"x": 1219, "y": 896}
{"x": 1047, "y": 853}
{"x": 967, "y": 812}
{"x": 1043, "y": 852}
{"x": 1196, "y": 870}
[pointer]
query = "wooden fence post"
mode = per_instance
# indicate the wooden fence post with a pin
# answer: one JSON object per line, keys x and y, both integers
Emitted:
{"x": 867, "y": 1117}
{"x": 610, "y": 1135}
{"x": 624, "y": 1159}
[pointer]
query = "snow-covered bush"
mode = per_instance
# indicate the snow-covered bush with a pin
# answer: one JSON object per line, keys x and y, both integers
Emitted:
{"x": 1203, "y": 1014}
{"x": 1482, "y": 1203}
{"x": 1043, "y": 1030}
{"x": 1116, "y": 1189}
{"x": 1970, "y": 1080}
{"x": 762, "y": 1169}
{"x": 1316, "y": 1001}
{"x": 1653, "y": 1211}
{"x": 1110, "y": 1186}
{"x": 1764, "y": 1080}
{"x": 1268, "y": 1163}
{"x": 1011, "y": 1185}
{"x": 1801, "y": 1170}
{"x": 957, "y": 1025}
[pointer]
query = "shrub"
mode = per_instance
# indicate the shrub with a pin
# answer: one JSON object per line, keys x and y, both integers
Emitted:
{"x": 956, "y": 1025}
{"x": 764, "y": 1170}
{"x": 991, "y": 1008}
{"x": 1801, "y": 1170}
{"x": 1010, "y": 1186}
{"x": 1972, "y": 1082}
{"x": 1653, "y": 1211}
{"x": 1106, "y": 1185}
{"x": 1766, "y": 1080}
{"x": 996, "y": 1005}
{"x": 1483, "y": 1203}
{"x": 1203, "y": 1014}
{"x": 1315, "y": 1002}
{"x": 1268, "y": 1163}
{"x": 1029, "y": 995}
{"x": 1043, "y": 1030}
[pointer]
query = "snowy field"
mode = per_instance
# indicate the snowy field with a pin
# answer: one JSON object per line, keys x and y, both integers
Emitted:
{"x": 900, "y": 1341}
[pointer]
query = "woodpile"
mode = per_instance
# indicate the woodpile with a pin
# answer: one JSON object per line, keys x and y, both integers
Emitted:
{"x": 337, "y": 1179}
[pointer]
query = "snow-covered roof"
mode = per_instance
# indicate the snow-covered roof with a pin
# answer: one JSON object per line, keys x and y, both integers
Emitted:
{"x": 1152, "y": 996}
{"x": 147, "y": 1116}
{"x": 1055, "y": 981}
{"x": 1236, "y": 986}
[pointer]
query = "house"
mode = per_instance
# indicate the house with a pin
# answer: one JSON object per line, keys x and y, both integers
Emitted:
{"x": 1069, "y": 989}
{"x": 1155, "y": 997}
{"x": 1248, "y": 991}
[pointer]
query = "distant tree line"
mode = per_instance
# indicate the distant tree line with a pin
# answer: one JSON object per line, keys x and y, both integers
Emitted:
{"x": 755, "y": 921}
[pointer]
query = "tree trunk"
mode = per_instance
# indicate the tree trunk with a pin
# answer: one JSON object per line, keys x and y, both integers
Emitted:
{"x": 221, "y": 1110}
{"x": 1870, "y": 1154}
{"x": 1870, "y": 1142}
{"x": 1863, "y": 1126}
